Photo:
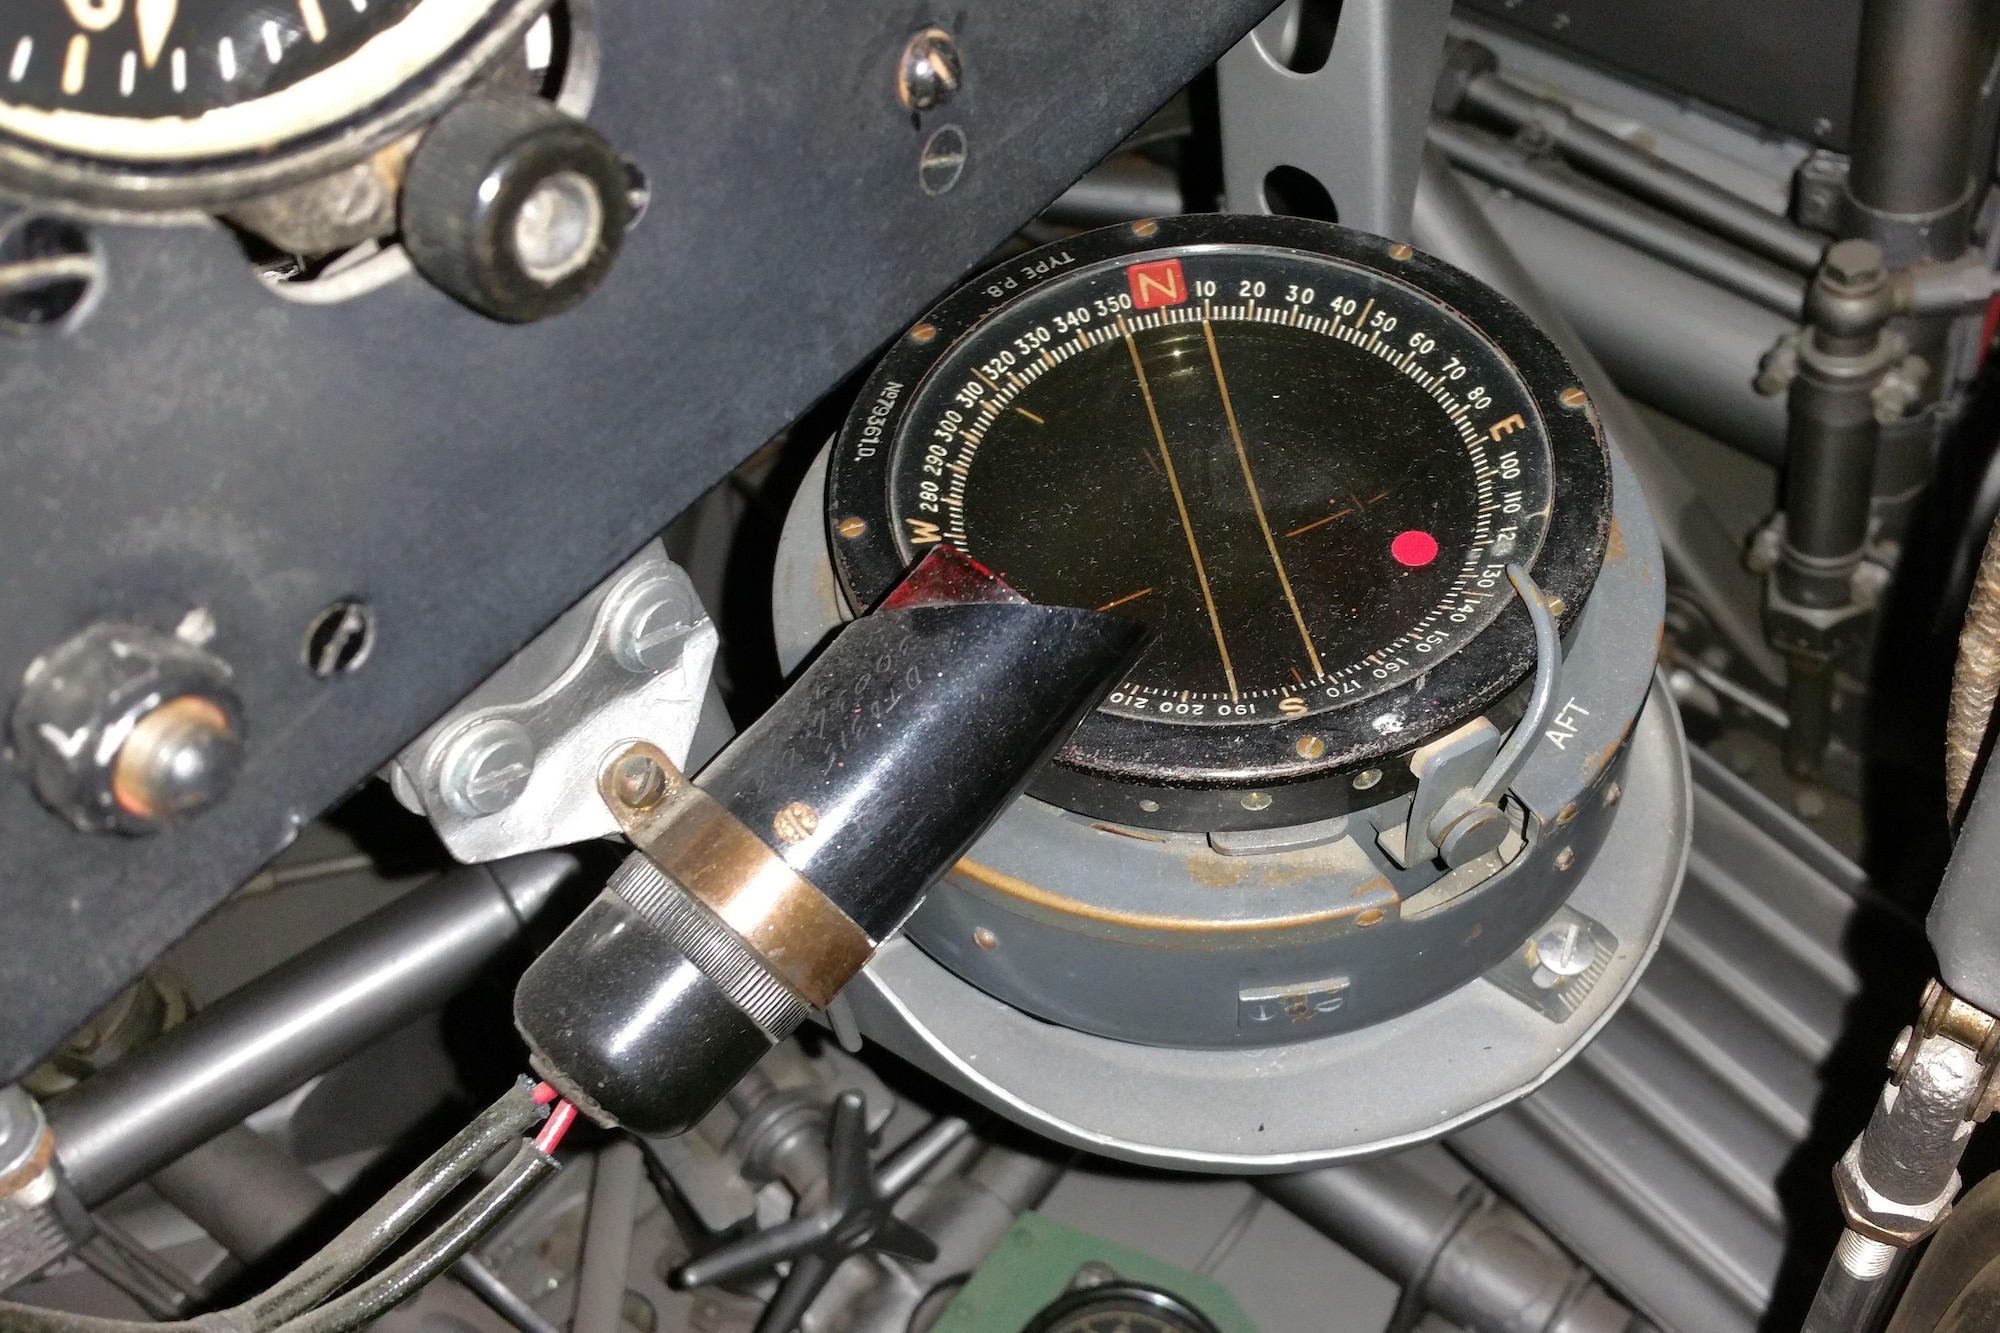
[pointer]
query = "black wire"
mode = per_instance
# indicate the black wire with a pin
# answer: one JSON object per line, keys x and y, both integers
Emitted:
{"x": 358, "y": 1245}
{"x": 432, "y": 1255}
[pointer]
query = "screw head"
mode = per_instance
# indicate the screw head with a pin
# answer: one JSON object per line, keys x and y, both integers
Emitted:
{"x": 485, "y": 767}
{"x": 1574, "y": 398}
{"x": 1565, "y": 859}
{"x": 985, "y": 938}
{"x": 796, "y": 822}
{"x": 1255, "y": 800}
{"x": 639, "y": 782}
{"x": 650, "y": 623}
{"x": 1310, "y": 747}
{"x": 930, "y": 71}
{"x": 1367, "y": 778}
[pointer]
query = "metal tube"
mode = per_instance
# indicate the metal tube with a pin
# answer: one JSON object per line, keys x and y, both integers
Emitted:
{"x": 1670, "y": 340}
{"x": 263, "y": 1040}
{"x": 1701, "y": 554}
{"x": 1563, "y": 191}
{"x": 1470, "y": 1258}
{"x": 1911, "y": 187}
{"x": 246, "y": 1192}
{"x": 607, "y": 1239}
{"x": 1673, "y": 188}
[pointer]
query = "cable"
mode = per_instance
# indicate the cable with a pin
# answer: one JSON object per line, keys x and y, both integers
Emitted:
{"x": 359, "y": 1244}
{"x": 435, "y": 1253}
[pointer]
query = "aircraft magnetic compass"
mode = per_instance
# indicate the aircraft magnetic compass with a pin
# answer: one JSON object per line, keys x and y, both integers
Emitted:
{"x": 1307, "y": 455}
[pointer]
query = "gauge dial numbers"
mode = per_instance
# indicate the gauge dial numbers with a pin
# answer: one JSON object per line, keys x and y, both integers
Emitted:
{"x": 1304, "y": 456}
{"x": 148, "y": 103}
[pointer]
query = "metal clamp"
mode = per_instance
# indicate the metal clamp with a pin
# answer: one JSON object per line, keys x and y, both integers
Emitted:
{"x": 1462, "y": 821}
{"x": 803, "y": 935}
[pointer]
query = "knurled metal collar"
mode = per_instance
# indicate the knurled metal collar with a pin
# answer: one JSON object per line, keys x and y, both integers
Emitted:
{"x": 711, "y": 946}
{"x": 796, "y": 931}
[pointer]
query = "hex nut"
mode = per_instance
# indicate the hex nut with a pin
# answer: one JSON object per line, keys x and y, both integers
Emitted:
{"x": 128, "y": 729}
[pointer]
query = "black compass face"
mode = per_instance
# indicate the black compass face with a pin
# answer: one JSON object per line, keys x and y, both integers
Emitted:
{"x": 1309, "y": 498}
{"x": 150, "y": 58}
{"x": 159, "y": 103}
{"x": 1306, "y": 457}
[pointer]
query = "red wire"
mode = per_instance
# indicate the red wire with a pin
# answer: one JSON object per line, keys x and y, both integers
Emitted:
{"x": 545, "y": 1093}
{"x": 560, "y": 1119}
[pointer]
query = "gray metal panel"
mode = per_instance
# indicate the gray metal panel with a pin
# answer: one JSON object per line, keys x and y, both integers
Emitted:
{"x": 1356, "y": 124}
{"x": 197, "y": 441}
{"x": 1657, "y": 1156}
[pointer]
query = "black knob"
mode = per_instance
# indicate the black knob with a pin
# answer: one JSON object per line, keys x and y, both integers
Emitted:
{"x": 126, "y": 729}
{"x": 513, "y": 207}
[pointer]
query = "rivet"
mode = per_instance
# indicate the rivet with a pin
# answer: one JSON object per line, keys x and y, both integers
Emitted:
{"x": 1145, "y": 227}
{"x": 852, "y": 527}
{"x": 1367, "y": 778}
{"x": 1574, "y": 397}
{"x": 796, "y": 822}
{"x": 1150, "y": 806}
{"x": 1310, "y": 747}
{"x": 1612, "y": 791}
{"x": 1255, "y": 800}
{"x": 924, "y": 332}
{"x": 1567, "y": 813}
{"x": 1373, "y": 916}
{"x": 985, "y": 938}
{"x": 1400, "y": 251}
{"x": 1565, "y": 859}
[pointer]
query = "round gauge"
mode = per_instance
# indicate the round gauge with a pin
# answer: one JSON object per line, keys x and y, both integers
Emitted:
{"x": 1305, "y": 455}
{"x": 1120, "y": 1307}
{"x": 170, "y": 103}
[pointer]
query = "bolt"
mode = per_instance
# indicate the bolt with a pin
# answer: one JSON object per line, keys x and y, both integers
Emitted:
{"x": 930, "y": 72}
{"x": 178, "y": 758}
{"x": 650, "y": 625}
{"x": 1853, "y": 264}
{"x": 1561, "y": 952}
{"x": 486, "y": 767}
{"x": 558, "y": 226}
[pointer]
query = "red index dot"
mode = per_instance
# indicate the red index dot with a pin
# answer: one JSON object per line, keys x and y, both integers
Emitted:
{"x": 1414, "y": 548}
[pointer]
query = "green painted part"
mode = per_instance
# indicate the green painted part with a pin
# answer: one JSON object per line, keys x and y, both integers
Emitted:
{"x": 1034, "y": 1263}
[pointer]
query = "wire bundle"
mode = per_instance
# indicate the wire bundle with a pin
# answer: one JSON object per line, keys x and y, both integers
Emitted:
{"x": 299, "y": 1303}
